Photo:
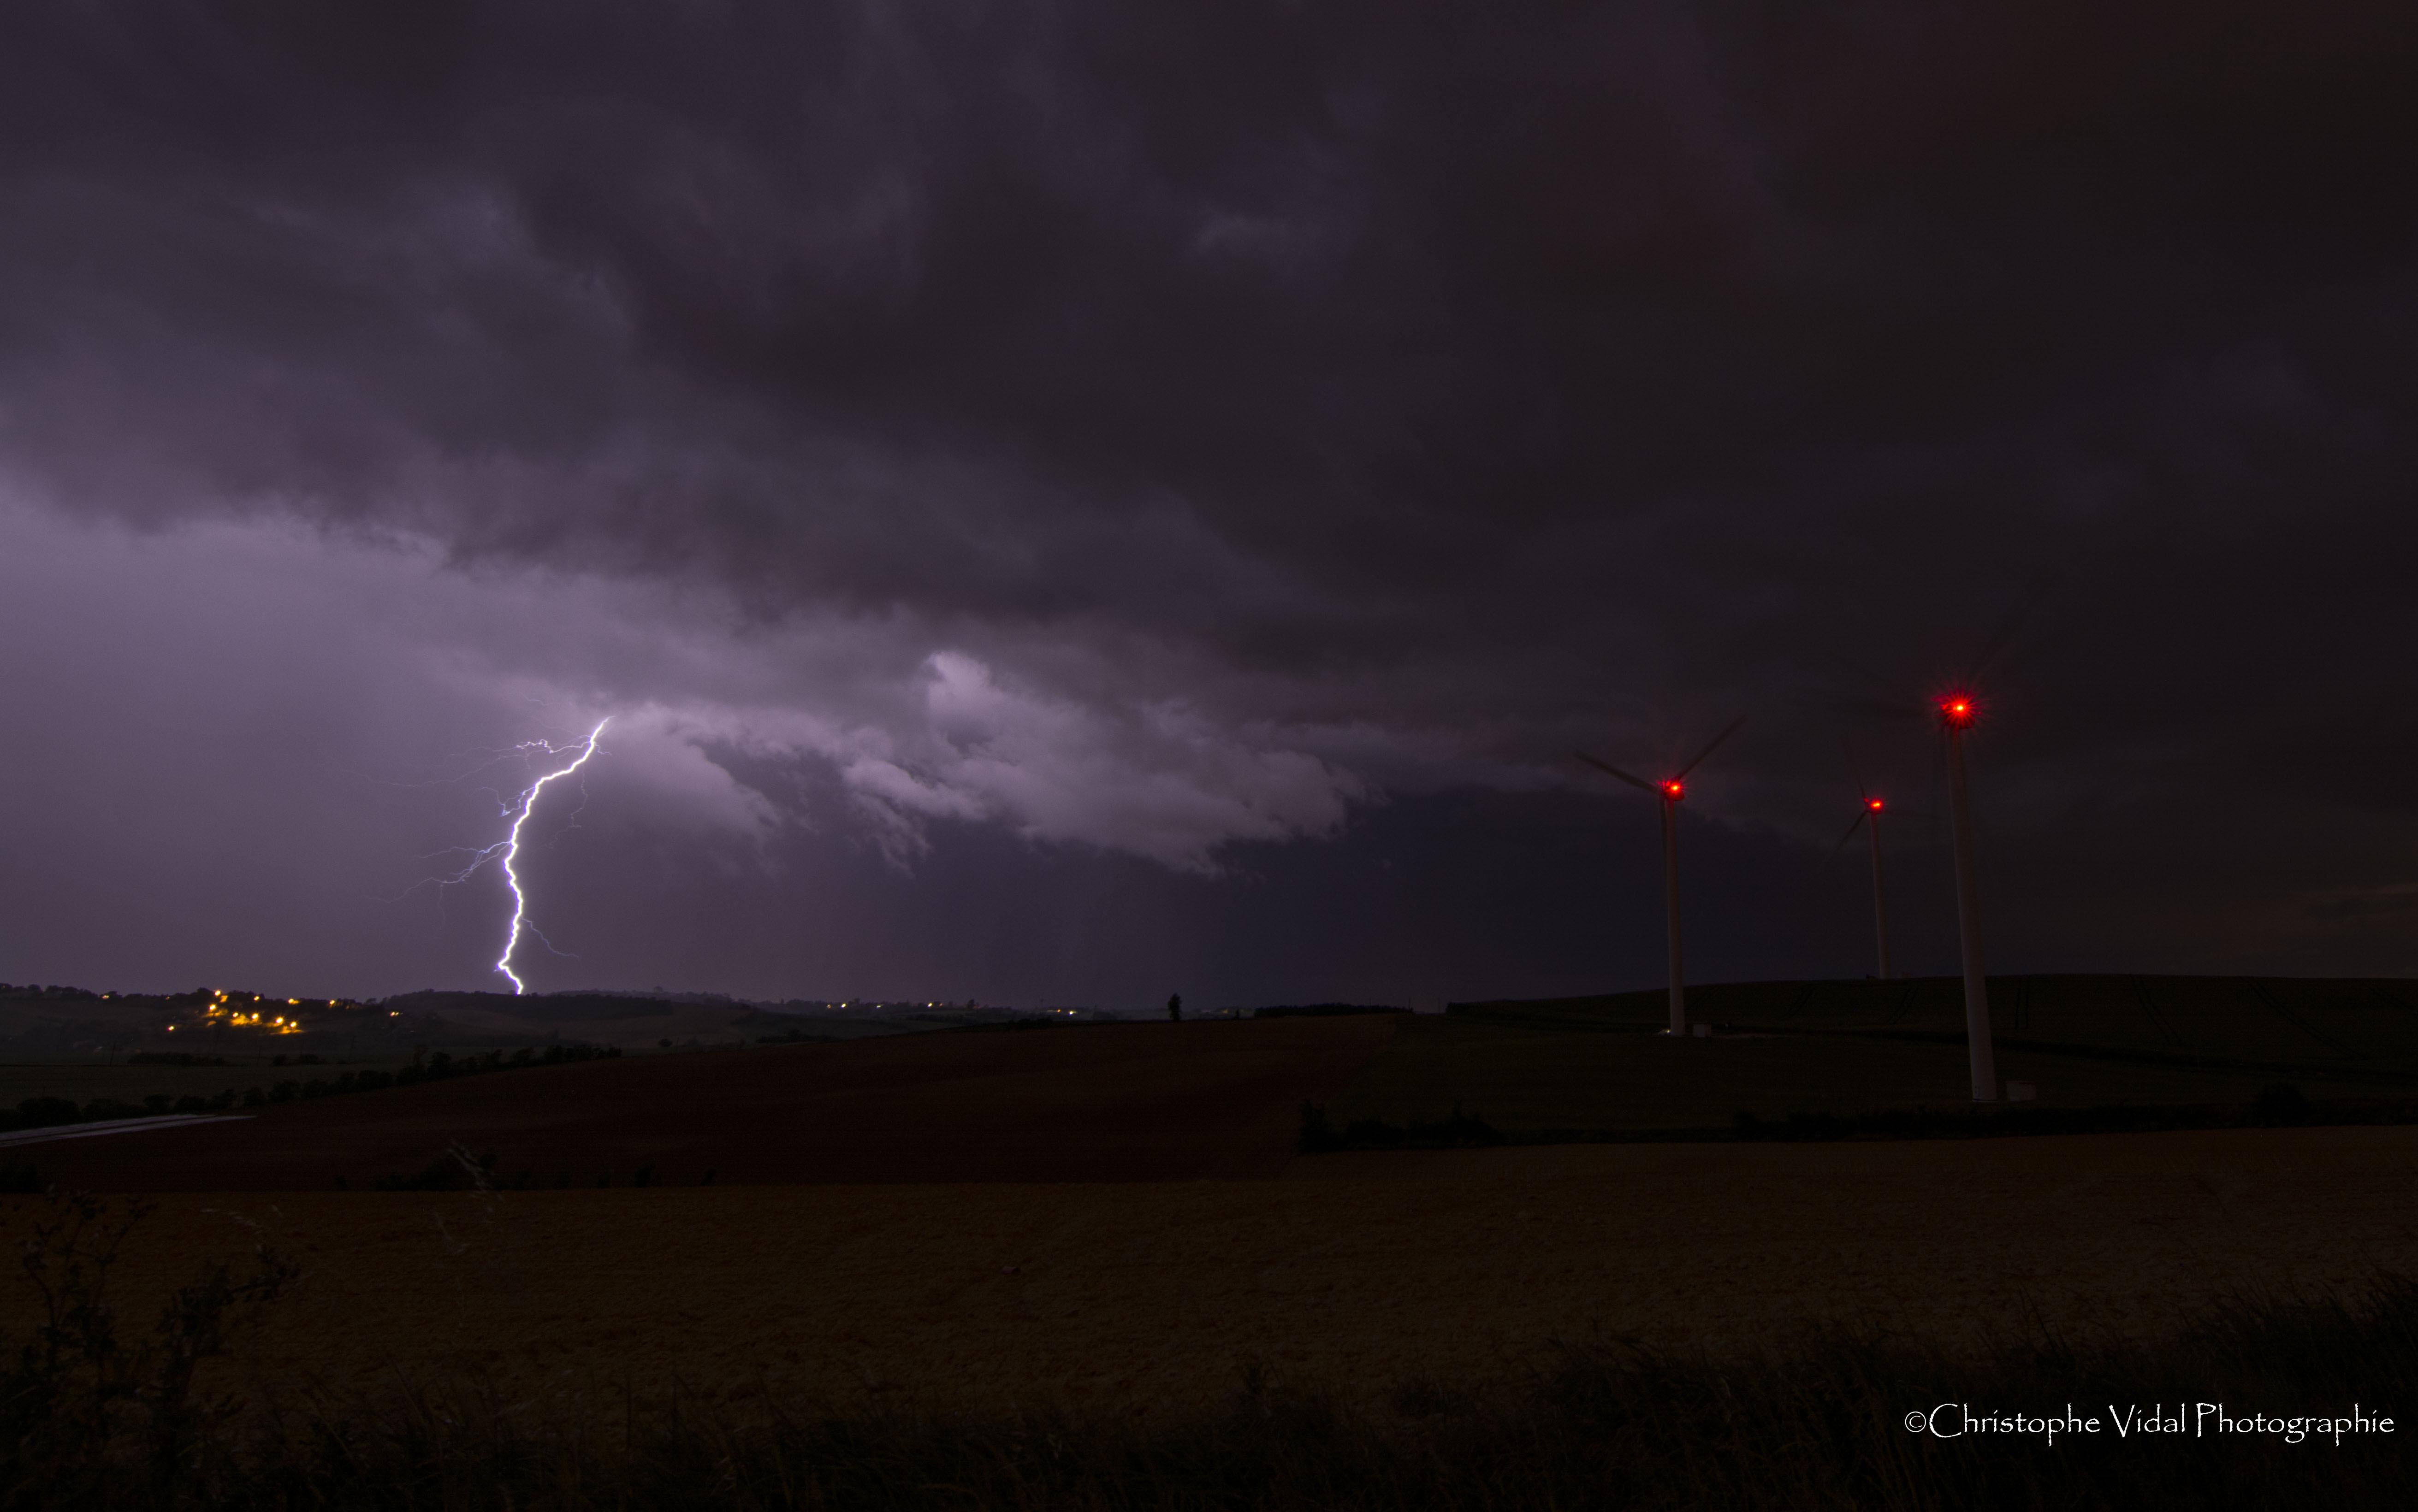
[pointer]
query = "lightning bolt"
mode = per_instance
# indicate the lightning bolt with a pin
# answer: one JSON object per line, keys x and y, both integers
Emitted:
{"x": 509, "y": 848}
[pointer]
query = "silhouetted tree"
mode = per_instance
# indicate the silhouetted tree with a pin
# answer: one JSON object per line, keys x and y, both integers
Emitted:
{"x": 1175, "y": 1007}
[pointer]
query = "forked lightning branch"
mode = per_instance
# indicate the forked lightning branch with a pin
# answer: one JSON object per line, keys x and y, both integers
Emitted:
{"x": 508, "y": 849}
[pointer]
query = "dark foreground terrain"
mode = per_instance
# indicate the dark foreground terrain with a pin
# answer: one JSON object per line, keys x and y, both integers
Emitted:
{"x": 1847, "y": 1049}
{"x": 1356, "y": 1273}
{"x": 1108, "y": 1102}
{"x": 1086, "y": 1268}
{"x": 1658, "y": 1325}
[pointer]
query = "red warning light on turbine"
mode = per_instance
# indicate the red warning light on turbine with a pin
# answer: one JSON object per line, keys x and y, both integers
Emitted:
{"x": 1873, "y": 803}
{"x": 1956, "y": 710}
{"x": 1672, "y": 790}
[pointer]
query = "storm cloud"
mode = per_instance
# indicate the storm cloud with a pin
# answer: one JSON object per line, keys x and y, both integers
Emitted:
{"x": 989, "y": 459}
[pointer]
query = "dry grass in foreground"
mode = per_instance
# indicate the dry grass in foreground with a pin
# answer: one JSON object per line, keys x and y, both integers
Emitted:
{"x": 1362, "y": 1274}
{"x": 95, "y": 1414}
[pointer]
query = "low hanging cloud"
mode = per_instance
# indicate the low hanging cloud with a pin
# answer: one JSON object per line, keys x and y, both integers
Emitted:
{"x": 1159, "y": 781}
{"x": 956, "y": 743}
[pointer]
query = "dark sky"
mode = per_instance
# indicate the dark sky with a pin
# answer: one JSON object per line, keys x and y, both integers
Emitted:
{"x": 1071, "y": 502}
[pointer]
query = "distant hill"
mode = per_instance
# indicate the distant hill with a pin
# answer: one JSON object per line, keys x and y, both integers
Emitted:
{"x": 1857, "y": 1049}
{"x": 1323, "y": 1010}
{"x": 55, "y": 1023}
{"x": 2344, "y": 1025}
{"x": 1150, "y": 1102}
{"x": 544, "y": 1008}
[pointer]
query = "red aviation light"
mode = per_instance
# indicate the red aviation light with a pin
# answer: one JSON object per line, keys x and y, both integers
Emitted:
{"x": 1956, "y": 711}
{"x": 1672, "y": 790}
{"x": 1873, "y": 803}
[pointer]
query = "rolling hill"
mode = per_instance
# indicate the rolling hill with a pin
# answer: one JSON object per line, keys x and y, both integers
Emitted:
{"x": 1846, "y": 1048}
{"x": 1129, "y": 1101}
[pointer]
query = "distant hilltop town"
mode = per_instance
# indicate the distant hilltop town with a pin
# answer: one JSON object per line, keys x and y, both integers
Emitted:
{"x": 220, "y": 1021}
{"x": 57, "y": 1021}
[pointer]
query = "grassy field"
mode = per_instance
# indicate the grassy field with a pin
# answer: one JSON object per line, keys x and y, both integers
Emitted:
{"x": 1011, "y": 1233}
{"x": 85, "y": 1081}
{"x": 2338, "y": 1023}
{"x": 1113, "y": 1102}
{"x": 1846, "y": 1047}
{"x": 82, "y": 1081}
{"x": 1360, "y": 1273}
{"x": 83, "y": 1077}
{"x": 100, "y": 1411}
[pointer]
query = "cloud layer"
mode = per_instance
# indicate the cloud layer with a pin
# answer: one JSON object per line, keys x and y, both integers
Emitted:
{"x": 1155, "y": 434}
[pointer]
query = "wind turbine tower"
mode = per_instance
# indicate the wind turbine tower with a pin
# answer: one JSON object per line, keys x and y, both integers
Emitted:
{"x": 1669, "y": 791}
{"x": 1955, "y": 717}
{"x": 1870, "y": 819}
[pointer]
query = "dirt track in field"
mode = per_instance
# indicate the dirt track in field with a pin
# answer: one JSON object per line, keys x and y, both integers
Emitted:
{"x": 1122, "y": 1102}
{"x": 1357, "y": 1271}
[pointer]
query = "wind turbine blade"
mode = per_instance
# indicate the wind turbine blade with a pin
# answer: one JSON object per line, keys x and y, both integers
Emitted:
{"x": 1851, "y": 833}
{"x": 1713, "y": 745}
{"x": 1608, "y": 767}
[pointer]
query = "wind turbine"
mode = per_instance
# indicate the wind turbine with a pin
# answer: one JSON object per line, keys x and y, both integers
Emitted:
{"x": 1869, "y": 820}
{"x": 1956, "y": 715}
{"x": 1670, "y": 790}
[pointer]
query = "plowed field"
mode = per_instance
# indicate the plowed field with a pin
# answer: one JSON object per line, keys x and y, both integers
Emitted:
{"x": 1119, "y": 1102}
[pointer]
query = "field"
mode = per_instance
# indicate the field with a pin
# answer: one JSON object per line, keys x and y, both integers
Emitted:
{"x": 1095, "y": 1103}
{"x": 1850, "y": 1047}
{"x": 1112, "y": 1221}
{"x": 1359, "y": 1272}
{"x": 82, "y": 1081}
